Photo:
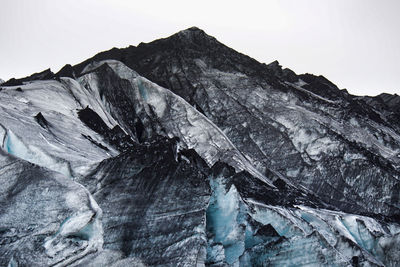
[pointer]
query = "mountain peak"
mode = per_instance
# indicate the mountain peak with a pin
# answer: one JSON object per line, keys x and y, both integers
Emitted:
{"x": 192, "y": 29}
{"x": 193, "y": 34}
{"x": 186, "y": 146}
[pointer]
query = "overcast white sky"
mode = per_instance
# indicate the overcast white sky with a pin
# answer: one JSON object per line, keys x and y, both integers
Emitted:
{"x": 354, "y": 43}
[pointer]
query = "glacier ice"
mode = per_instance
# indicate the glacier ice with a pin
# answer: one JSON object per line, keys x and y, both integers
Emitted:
{"x": 193, "y": 128}
{"x": 62, "y": 144}
{"x": 15, "y": 146}
{"x": 161, "y": 201}
{"x": 280, "y": 120}
{"x": 35, "y": 234}
{"x": 224, "y": 223}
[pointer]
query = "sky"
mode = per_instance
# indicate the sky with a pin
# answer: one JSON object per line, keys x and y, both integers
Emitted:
{"x": 353, "y": 43}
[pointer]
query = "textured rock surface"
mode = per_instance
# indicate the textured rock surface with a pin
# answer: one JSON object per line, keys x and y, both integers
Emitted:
{"x": 184, "y": 152}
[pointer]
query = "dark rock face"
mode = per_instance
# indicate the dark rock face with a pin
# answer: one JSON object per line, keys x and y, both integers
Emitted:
{"x": 66, "y": 71}
{"x": 44, "y": 75}
{"x": 385, "y": 104}
{"x": 233, "y": 163}
{"x": 169, "y": 61}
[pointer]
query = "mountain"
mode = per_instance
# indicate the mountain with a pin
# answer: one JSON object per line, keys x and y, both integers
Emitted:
{"x": 184, "y": 152}
{"x": 296, "y": 125}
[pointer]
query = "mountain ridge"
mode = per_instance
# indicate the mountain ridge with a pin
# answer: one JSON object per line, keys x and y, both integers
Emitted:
{"x": 185, "y": 152}
{"x": 68, "y": 69}
{"x": 177, "y": 62}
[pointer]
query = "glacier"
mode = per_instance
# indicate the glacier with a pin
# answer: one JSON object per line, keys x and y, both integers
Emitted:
{"x": 272, "y": 115}
{"x": 184, "y": 152}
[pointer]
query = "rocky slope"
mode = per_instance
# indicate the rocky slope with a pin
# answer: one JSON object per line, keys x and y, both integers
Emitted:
{"x": 184, "y": 152}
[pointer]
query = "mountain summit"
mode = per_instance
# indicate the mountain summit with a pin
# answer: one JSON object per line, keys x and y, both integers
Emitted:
{"x": 249, "y": 100}
{"x": 185, "y": 152}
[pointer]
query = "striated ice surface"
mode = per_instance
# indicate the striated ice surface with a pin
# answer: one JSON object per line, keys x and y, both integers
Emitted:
{"x": 60, "y": 145}
{"x": 46, "y": 219}
{"x": 154, "y": 207}
{"x": 139, "y": 181}
{"x": 180, "y": 119}
{"x": 343, "y": 148}
{"x": 15, "y": 146}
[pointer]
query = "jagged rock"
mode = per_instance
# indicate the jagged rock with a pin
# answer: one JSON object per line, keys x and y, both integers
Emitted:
{"x": 66, "y": 71}
{"x": 44, "y": 75}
